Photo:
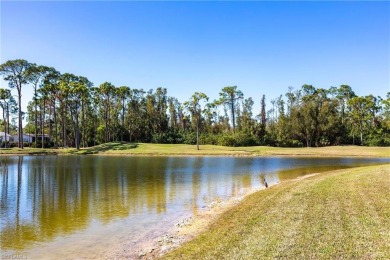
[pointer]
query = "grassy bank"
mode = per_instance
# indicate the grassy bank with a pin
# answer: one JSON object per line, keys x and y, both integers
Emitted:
{"x": 36, "y": 151}
{"x": 117, "y": 148}
{"x": 338, "y": 214}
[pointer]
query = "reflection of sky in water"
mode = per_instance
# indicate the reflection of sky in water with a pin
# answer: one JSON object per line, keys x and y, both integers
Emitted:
{"x": 44, "y": 198}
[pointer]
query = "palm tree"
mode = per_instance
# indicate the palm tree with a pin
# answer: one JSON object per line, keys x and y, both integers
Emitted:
{"x": 106, "y": 92}
{"x": 7, "y": 104}
{"x": 51, "y": 90}
{"x": 77, "y": 93}
{"x": 228, "y": 96}
{"x": 17, "y": 73}
{"x": 194, "y": 107}
{"x": 123, "y": 93}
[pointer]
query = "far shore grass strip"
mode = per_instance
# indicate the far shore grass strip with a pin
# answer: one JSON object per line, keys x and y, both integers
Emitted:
{"x": 342, "y": 214}
{"x": 118, "y": 148}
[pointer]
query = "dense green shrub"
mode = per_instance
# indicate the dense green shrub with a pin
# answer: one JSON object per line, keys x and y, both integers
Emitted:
{"x": 378, "y": 140}
{"x": 189, "y": 137}
{"x": 174, "y": 136}
{"x": 230, "y": 139}
{"x": 208, "y": 139}
{"x": 245, "y": 139}
{"x": 226, "y": 140}
{"x": 169, "y": 137}
{"x": 290, "y": 143}
{"x": 39, "y": 144}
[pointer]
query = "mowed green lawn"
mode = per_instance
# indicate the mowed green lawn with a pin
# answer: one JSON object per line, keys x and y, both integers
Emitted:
{"x": 118, "y": 148}
{"x": 333, "y": 215}
{"x": 183, "y": 149}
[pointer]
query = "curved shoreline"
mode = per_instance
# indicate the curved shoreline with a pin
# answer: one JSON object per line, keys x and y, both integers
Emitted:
{"x": 189, "y": 228}
{"x": 180, "y": 150}
{"x": 275, "y": 219}
{"x": 202, "y": 155}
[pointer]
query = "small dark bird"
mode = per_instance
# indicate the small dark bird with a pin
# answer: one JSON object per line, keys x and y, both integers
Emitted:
{"x": 265, "y": 183}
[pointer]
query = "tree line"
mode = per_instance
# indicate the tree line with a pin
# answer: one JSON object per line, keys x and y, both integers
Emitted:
{"x": 77, "y": 114}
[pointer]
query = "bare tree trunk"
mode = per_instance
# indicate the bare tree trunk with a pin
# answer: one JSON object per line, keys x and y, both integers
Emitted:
{"x": 36, "y": 115}
{"x": 64, "y": 128}
{"x": 123, "y": 118}
{"x": 108, "y": 121}
{"x": 197, "y": 133}
{"x": 83, "y": 123}
{"x": 43, "y": 124}
{"x": 233, "y": 116}
{"x": 50, "y": 127}
{"x": 94, "y": 132}
{"x": 5, "y": 128}
{"x": 55, "y": 124}
{"x": 77, "y": 134}
{"x": 7, "y": 124}
{"x": 20, "y": 126}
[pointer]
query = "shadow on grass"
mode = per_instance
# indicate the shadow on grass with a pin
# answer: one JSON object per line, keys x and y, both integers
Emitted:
{"x": 27, "y": 151}
{"x": 107, "y": 147}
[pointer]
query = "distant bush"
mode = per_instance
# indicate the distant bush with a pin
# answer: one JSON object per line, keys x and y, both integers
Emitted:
{"x": 39, "y": 145}
{"x": 245, "y": 139}
{"x": 226, "y": 140}
{"x": 269, "y": 139}
{"x": 208, "y": 139}
{"x": 174, "y": 136}
{"x": 166, "y": 138}
{"x": 189, "y": 137}
{"x": 378, "y": 140}
{"x": 234, "y": 140}
{"x": 290, "y": 143}
{"x": 6, "y": 144}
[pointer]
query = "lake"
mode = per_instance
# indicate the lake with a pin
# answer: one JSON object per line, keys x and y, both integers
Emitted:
{"x": 90, "y": 206}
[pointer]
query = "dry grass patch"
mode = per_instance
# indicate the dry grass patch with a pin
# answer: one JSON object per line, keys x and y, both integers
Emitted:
{"x": 183, "y": 149}
{"x": 35, "y": 151}
{"x": 123, "y": 148}
{"x": 338, "y": 214}
{"x": 329, "y": 151}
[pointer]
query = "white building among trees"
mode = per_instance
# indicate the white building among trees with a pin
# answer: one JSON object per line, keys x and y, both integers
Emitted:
{"x": 4, "y": 137}
{"x": 27, "y": 138}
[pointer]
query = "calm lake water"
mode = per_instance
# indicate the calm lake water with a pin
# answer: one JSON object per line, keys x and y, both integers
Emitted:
{"x": 81, "y": 206}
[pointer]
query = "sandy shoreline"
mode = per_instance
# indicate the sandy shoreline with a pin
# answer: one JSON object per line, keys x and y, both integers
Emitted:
{"x": 189, "y": 228}
{"x": 201, "y": 155}
{"x": 185, "y": 229}
{"x": 181, "y": 230}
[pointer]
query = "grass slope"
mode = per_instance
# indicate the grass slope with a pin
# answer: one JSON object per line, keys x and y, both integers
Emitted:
{"x": 118, "y": 148}
{"x": 338, "y": 214}
{"x": 182, "y": 149}
{"x": 35, "y": 151}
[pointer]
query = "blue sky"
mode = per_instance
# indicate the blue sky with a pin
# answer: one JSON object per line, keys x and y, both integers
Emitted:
{"x": 262, "y": 47}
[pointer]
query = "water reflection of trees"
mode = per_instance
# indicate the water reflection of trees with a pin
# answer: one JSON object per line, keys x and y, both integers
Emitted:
{"x": 43, "y": 197}
{"x": 48, "y": 196}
